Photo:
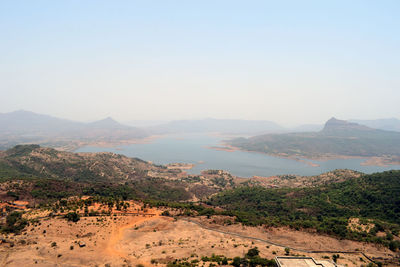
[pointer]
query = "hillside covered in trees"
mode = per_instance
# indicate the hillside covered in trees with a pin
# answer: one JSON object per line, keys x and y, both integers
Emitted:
{"x": 374, "y": 199}
{"x": 44, "y": 174}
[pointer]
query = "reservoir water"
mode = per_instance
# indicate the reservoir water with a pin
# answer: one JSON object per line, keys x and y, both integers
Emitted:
{"x": 195, "y": 149}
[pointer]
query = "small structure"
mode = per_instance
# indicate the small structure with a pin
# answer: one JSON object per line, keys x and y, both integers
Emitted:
{"x": 286, "y": 261}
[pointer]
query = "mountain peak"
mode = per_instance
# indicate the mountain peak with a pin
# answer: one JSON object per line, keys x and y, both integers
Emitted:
{"x": 107, "y": 123}
{"x": 334, "y": 124}
{"x": 108, "y": 119}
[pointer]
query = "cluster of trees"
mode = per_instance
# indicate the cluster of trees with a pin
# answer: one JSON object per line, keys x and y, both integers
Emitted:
{"x": 72, "y": 216}
{"x": 74, "y": 204}
{"x": 184, "y": 208}
{"x": 48, "y": 190}
{"x": 161, "y": 189}
{"x": 251, "y": 259}
{"x": 15, "y": 223}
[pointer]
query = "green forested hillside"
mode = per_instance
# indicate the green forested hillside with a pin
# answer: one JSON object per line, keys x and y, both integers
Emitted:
{"x": 40, "y": 173}
{"x": 325, "y": 208}
{"x": 90, "y": 167}
{"x": 46, "y": 174}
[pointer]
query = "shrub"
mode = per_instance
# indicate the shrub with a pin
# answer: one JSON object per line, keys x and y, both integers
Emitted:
{"x": 165, "y": 213}
{"x": 14, "y": 223}
{"x": 335, "y": 257}
{"x": 252, "y": 252}
{"x": 72, "y": 216}
{"x": 394, "y": 245}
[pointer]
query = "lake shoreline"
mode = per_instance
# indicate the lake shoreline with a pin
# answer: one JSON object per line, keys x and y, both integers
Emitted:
{"x": 198, "y": 152}
{"x": 368, "y": 161}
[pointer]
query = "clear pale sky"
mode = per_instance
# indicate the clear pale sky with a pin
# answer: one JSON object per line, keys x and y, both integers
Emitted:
{"x": 288, "y": 61}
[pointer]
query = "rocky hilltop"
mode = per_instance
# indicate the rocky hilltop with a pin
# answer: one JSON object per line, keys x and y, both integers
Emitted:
{"x": 335, "y": 125}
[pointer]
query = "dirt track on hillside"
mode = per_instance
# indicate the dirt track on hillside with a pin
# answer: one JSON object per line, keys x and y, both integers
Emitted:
{"x": 118, "y": 234}
{"x": 139, "y": 239}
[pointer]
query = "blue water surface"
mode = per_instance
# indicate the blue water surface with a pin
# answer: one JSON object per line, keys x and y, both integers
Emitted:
{"x": 195, "y": 148}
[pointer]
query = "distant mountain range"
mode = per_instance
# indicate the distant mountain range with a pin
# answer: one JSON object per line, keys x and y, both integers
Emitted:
{"x": 21, "y": 127}
{"x": 391, "y": 124}
{"x": 218, "y": 126}
{"x": 28, "y": 127}
{"x": 253, "y": 127}
{"x": 337, "y": 138}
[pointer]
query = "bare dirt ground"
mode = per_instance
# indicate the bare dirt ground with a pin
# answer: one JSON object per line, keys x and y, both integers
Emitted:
{"x": 303, "y": 241}
{"x": 92, "y": 241}
{"x": 147, "y": 239}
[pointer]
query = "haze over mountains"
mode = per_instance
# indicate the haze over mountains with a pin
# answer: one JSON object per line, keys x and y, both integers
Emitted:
{"x": 391, "y": 124}
{"x": 251, "y": 127}
{"x": 28, "y": 127}
{"x": 219, "y": 126}
{"x": 26, "y": 122}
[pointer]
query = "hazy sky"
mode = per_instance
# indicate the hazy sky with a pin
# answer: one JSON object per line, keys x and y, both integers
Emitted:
{"x": 286, "y": 61}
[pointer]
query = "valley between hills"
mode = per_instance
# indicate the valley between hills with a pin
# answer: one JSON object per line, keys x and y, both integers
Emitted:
{"x": 106, "y": 209}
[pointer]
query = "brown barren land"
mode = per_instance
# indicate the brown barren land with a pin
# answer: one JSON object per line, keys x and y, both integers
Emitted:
{"x": 142, "y": 236}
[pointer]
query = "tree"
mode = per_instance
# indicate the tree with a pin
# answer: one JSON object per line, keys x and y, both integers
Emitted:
{"x": 14, "y": 223}
{"x": 72, "y": 216}
{"x": 335, "y": 257}
{"x": 236, "y": 261}
{"x": 287, "y": 251}
{"x": 252, "y": 252}
{"x": 394, "y": 245}
{"x": 165, "y": 213}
